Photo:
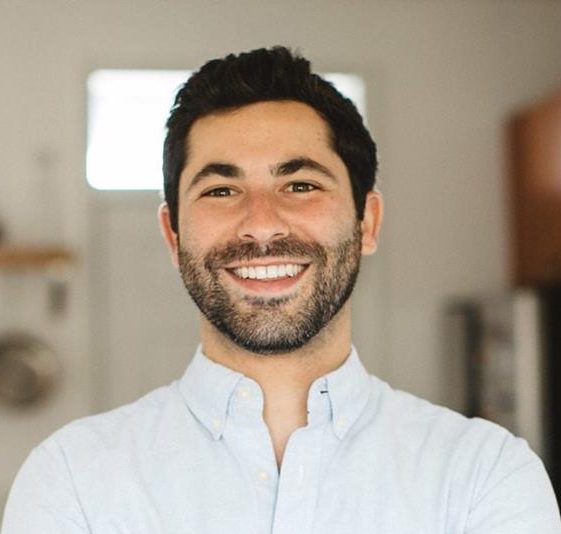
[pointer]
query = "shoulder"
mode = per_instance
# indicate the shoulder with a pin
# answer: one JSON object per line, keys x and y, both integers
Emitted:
{"x": 88, "y": 457}
{"x": 441, "y": 438}
{"x": 484, "y": 470}
{"x": 420, "y": 420}
{"x": 121, "y": 430}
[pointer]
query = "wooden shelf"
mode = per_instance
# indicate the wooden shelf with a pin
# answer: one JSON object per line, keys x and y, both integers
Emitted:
{"x": 17, "y": 258}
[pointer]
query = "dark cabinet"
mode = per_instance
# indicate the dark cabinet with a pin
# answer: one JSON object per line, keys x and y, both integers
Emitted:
{"x": 534, "y": 140}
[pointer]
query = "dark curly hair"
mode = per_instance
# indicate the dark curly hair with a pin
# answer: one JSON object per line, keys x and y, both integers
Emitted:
{"x": 267, "y": 75}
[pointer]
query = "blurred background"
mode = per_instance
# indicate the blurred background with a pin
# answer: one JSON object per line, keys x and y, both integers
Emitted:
{"x": 92, "y": 315}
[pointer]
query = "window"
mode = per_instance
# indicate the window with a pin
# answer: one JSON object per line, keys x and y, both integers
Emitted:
{"x": 127, "y": 110}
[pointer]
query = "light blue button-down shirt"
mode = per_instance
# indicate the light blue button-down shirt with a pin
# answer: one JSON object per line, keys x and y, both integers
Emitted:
{"x": 196, "y": 457}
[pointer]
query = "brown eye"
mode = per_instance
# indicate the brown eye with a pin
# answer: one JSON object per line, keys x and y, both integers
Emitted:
{"x": 301, "y": 187}
{"x": 219, "y": 192}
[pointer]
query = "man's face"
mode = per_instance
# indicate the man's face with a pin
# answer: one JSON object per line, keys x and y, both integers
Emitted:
{"x": 269, "y": 244}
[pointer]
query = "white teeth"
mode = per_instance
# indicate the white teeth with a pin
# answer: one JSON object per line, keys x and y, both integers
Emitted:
{"x": 269, "y": 272}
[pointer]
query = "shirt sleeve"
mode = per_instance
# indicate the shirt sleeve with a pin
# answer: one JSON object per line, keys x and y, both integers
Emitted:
{"x": 515, "y": 496}
{"x": 43, "y": 499}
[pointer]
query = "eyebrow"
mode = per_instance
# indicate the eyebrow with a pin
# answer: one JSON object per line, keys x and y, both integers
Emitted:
{"x": 292, "y": 166}
{"x": 221, "y": 169}
{"x": 285, "y": 168}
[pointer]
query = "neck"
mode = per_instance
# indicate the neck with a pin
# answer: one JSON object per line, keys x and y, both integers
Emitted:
{"x": 293, "y": 370}
{"x": 285, "y": 379}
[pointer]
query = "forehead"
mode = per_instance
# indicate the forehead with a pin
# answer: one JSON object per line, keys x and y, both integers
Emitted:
{"x": 286, "y": 125}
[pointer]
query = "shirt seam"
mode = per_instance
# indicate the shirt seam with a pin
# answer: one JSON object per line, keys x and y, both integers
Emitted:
{"x": 74, "y": 487}
{"x": 502, "y": 479}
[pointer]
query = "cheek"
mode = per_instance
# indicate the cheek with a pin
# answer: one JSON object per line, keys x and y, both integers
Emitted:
{"x": 201, "y": 235}
{"x": 329, "y": 222}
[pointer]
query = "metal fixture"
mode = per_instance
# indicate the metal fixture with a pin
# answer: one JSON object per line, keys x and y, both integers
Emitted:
{"x": 29, "y": 369}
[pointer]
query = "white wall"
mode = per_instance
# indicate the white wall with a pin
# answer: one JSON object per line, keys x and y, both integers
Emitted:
{"x": 442, "y": 74}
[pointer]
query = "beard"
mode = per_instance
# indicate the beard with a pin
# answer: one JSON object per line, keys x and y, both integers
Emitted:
{"x": 268, "y": 325}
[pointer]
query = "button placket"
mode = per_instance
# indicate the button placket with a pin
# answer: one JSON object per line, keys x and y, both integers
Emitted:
{"x": 299, "y": 481}
{"x": 251, "y": 444}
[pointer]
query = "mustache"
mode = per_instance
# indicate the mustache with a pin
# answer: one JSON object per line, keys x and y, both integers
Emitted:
{"x": 218, "y": 257}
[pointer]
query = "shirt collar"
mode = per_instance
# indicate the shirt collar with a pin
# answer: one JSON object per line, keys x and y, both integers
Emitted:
{"x": 218, "y": 395}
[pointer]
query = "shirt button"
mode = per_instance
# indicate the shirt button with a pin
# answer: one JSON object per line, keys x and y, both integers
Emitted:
{"x": 263, "y": 475}
{"x": 216, "y": 424}
{"x": 341, "y": 421}
{"x": 244, "y": 393}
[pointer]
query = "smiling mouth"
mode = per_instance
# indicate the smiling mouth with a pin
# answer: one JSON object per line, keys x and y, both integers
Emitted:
{"x": 268, "y": 272}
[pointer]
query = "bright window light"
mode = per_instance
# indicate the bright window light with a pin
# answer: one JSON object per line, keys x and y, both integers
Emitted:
{"x": 127, "y": 111}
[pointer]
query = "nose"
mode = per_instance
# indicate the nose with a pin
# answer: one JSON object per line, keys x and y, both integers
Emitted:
{"x": 262, "y": 221}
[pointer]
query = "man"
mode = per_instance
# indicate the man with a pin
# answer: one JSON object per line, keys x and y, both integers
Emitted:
{"x": 276, "y": 426}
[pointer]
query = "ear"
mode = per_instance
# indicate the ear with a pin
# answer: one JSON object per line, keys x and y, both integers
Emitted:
{"x": 170, "y": 237}
{"x": 371, "y": 223}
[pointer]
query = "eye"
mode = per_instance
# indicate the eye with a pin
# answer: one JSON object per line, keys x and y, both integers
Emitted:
{"x": 219, "y": 192}
{"x": 301, "y": 187}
